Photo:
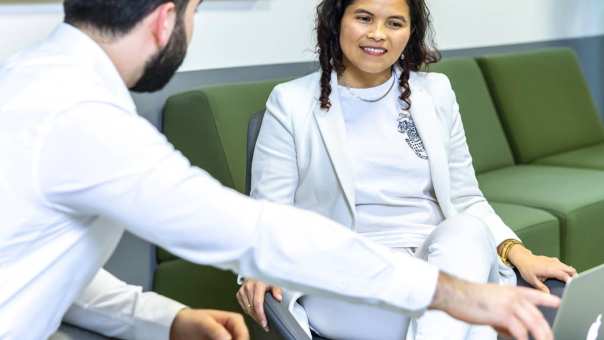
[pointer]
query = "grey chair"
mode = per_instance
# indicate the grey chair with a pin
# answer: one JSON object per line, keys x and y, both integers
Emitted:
{"x": 69, "y": 332}
{"x": 280, "y": 320}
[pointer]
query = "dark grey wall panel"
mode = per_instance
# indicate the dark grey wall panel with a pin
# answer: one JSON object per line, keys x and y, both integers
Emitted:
{"x": 590, "y": 51}
{"x": 150, "y": 105}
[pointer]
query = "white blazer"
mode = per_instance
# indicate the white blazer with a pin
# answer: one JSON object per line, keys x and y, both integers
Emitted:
{"x": 300, "y": 158}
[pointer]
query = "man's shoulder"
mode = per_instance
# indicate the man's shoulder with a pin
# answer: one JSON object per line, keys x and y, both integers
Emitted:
{"x": 49, "y": 83}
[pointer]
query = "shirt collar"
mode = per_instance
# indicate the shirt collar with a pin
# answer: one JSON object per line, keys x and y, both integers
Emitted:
{"x": 73, "y": 42}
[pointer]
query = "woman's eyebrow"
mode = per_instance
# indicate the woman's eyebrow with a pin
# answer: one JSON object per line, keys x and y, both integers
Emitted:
{"x": 364, "y": 11}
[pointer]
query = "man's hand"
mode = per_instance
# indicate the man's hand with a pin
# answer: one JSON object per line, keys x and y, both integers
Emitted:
{"x": 510, "y": 310}
{"x": 205, "y": 324}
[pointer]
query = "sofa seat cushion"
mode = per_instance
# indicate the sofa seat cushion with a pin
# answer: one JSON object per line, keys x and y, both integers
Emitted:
{"x": 164, "y": 255}
{"x": 213, "y": 288}
{"x": 574, "y": 196}
{"x": 538, "y": 229}
{"x": 589, "y": 157}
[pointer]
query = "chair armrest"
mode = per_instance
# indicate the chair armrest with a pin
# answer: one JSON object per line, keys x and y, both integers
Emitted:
{"x": 69, "y": 332}
{"x": 281, "y": 320}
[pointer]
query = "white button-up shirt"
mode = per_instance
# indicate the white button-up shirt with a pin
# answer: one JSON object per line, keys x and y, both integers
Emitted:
{"x": 78, "y": 166}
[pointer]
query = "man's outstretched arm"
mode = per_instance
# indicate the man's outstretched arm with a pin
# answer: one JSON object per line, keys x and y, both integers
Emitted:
{"x": 137, "y": 179}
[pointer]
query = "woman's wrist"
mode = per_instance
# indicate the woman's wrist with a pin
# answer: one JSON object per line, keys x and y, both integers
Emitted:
{"x": 517, "y": 253}
{"x": 504, "y": 248}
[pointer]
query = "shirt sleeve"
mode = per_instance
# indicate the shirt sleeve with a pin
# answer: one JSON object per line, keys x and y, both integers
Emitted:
{"x": 113, "y": 308}
{"x": 99, "y": 160}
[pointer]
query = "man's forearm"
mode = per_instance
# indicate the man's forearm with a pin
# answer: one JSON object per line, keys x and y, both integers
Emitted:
{"x": 449, "y": 291}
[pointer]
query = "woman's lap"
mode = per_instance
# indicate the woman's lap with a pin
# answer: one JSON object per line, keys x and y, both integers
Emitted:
{"x": 461, "y": 245}
{"x": 339, "y": 319}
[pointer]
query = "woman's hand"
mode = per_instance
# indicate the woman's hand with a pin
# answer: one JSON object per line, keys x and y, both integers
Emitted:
{"x": 251, "y": 298}
{"x": 536, "y": 269}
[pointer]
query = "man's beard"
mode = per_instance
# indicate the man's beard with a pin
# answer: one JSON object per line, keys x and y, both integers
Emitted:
{"x": 163, "y": 65}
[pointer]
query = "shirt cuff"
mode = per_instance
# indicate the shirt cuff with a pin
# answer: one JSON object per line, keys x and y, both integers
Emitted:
{"x": 422, "y": 279}
{"x": 154, "y": 316}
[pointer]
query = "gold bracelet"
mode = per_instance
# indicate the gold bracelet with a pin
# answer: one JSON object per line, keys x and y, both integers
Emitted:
{"x": 505, "y": 250}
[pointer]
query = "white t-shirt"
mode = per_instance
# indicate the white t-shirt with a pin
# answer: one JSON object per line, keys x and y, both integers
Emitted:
{"x": 395, "y": 201}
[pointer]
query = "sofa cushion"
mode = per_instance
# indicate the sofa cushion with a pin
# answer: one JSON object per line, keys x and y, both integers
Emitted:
{"x": 538, "y": 229}
{"x": 486, "y": 139}
{"x": 574, "y": 196}
{"x": 213, "y": 288}
{"x": 209, "y": 126}
{"x": 588, "y": 157}
{"x": 543, "y": 101}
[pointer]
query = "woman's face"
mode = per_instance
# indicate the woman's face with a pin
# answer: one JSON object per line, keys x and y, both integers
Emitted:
{"x": 373, "y": 35}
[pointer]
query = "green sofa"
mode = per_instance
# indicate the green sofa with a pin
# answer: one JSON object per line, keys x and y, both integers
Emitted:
{"x": 209, "y": 127}
{"x": 490, "y": 151}
{"x": 575, "y": 196}
{"x": 551, "y": 194}
{"x": 556, "y": 135}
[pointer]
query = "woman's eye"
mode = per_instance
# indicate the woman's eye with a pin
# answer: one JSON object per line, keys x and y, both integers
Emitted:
{"x": 396, "y": 24}
{"x": 364, "y": 18}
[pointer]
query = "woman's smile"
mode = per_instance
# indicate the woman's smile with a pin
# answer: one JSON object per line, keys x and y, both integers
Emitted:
{"x": 374, "y": 51}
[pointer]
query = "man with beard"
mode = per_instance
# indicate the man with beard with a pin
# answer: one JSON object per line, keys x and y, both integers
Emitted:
{"x": 79, "y": 167}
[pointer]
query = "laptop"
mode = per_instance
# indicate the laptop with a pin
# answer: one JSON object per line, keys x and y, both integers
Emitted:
{"x": 581, "y": 314}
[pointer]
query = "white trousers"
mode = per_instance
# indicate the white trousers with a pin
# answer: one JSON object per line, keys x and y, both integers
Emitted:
{"x": 462, "y": 246}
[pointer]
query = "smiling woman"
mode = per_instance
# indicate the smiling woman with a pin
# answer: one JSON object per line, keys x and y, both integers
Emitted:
{"x": 389, "y": 162}
{"x": 403, "y": 26}
{"x": 371, "y": 30}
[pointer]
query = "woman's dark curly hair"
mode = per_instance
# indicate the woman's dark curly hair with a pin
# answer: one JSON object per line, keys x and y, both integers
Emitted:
{"x": 418, "y": 52}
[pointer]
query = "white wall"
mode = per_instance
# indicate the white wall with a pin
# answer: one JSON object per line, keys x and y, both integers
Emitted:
{"x": 258, "y": 32}
{"x": 22, "y": 25}
{"x": 480, "y": 23}
{"x": 228, "y": 32}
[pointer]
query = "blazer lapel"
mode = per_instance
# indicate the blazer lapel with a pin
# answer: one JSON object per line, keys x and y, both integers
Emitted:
{"x": 429, "y": 129}
{"x": 333, "y": 132}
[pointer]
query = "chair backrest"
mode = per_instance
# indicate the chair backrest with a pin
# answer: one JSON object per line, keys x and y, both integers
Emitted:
{"x": 543, "y": 101}
{"x": 253, "y": 129}
{"x": 485, "y": 135}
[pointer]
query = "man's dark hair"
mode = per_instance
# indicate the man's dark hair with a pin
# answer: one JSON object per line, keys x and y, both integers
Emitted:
{"x": 115, "y": 17}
